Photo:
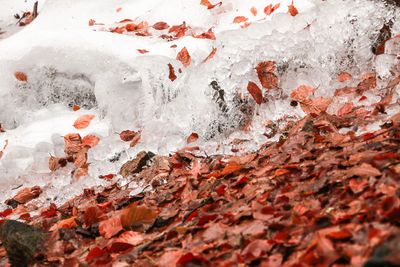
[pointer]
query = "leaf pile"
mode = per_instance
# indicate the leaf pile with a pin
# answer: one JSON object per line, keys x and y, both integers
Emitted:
{"x": 317, "y": 196}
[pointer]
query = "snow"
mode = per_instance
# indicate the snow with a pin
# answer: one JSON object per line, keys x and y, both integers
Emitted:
{"x": 69, "y": 62}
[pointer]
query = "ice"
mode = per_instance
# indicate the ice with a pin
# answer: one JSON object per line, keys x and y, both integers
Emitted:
{"x": 69, "y": 63}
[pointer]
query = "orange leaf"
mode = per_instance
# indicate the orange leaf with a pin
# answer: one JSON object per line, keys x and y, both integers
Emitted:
{"x": 20, "y": 76}
{"x": 344, "y": 76}
{"x": 92, "y": 22}
{"x": 131, "y": 27}
{"x": 138, "y": 214}
{"x": 67, "y": 223}
{"x": 253, "y": 11}
{"x": 206, "y": 35}
{"x": 160, "y": 26}
{"x": 210, "y": 55}
{"x": 208, "y": 4}
{"x": 184, "y": 57}
{"x": 255, "y": 92}
{"x": 279, "y": 172}
{"x": 83, "y": 121}
{"x": 72, "y": 143}
{"x": 339, "y": 235}
{"x": 231, "y": 167}
{"x": 76, "y": 108}
{"x": 192, "y": 138}
{"x": 239, "y": 19}
{"x": 143, "y": 51}
{"x": 135, "y": 140}
{"x": 267, "y": 78}
{"x": 82, "y": 172}
{"x": 302, "y": 92}
{"x": 265, "y": 67}
{"x": 346, "y": 109}
{"x": 110, "y": 227}
{"x": 268, "y": 10}
{"x": 292, "y": 10}
{"x": 90, "y": 140}
{"x": 172, "y": 75}
{"x": 27, "y": 194}
{"x": 119, "y": 9}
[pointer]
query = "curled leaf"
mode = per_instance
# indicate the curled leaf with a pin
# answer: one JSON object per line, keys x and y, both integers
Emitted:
{"x": 192, "y": 138}
{"x": 172, "y": 75}
{"x": 210, "y": 55}
{"x": 20, "y": 76}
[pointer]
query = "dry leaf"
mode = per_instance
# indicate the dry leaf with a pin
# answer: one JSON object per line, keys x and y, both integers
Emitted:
{"x": 268, "y": 10}
{"x": 302, "y": 92}
{"x": 160, "y": 26}
{"x": 83, "y": 121}
{"x": 184, "y": 57}
{"x": 192, "y": 138}
{"x": 142, "y": 51}
{"x": 255, "y": 92}
{"x": 292, "y": 10}
{"x": 210, "y": 55}
{"x": 172, "y": 75}
{"x": 90, "y": 140}
{"x": 138, "y": 214}
{"x": 253, "y": 11}
{"x": 346, "y": 109}
{"x": 110, "y": 227}
{"x": 344, "y": 76}
{"x": 239, "y": 19}
{"x": 20, "y": 76}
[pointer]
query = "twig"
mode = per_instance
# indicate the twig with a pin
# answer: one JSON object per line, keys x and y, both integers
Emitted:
{"x": 35, "y": 8}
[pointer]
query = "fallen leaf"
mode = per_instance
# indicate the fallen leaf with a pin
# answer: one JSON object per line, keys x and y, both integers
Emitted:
{"x": 192, "y": 138}
{"x": 363, "y": 170}
{"x": 119, "y": 9}
{"x": 302, "y": 92}
{"x": 206, "y": 35}
{"x": 90, "y": 140}
{"x": 346, "y": 109}
{"x": 339, "y": 235}
{"x": 210, "y": 55}
{"x": 76, "y": 108}
{"x": 208, "y": 4}
{"x": 160, "y": 26}
{"x": 135, "y": 139}
{"x": 131, "y": 237}
{"x": 20, "y": 76}
{"x": 344, "y": 76}
{"x": 110, "y": 227}
{"x": 142, "y": 51}
{"x": 92, "y": 22}
{"x": 67, "y": 223}
{"x": 83, "y": 121}
{"x": 57, "y": 163}
{"x": 268, "y": 10}
{"x": 83, "y": 171}
{"x": 138, "y": 214}
{"x": 81, "y": 157}
{"x": 72, "y": 143}
{"x": 268, "y": 79}
{"x": 95, "y": 253}
{"x": 255, "y": 92}
{"x": 253, "y": 11}
{"x": 184, "y": 57}
{"x": 27, "y": 194}
{"x": 292, "y": 10}
{"x": 239, "y": 19}
{"x": 357, "y": 187}
{"x": 172, "y": 75}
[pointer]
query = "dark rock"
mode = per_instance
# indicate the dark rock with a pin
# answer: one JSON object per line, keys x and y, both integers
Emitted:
{"x": 21, "y": 242}
{"x": 136, "y": 165}
{"x": 386, "y": 254}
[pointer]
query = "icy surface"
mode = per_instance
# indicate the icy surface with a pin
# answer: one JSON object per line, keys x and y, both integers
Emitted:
{"x": 71, "y": 63}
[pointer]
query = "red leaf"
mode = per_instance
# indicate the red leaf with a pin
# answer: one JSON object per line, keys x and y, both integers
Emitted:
{"x": 253, "y": 11}
{"x": 92, "y": 215}
{"x": 138, "y": 214}
{"x": 206, "y": 35}
{"x": 20, "y": 76}
{"x": 367, "y": 136}
{"x": 344, "y": 76}
{"x": 268, "y": 10}
{"x": 94, "y": 253}
{"x": 118, "y": 9}
{"x": 362, "y": 98}
{"x": 210, "y": 55}
{"x": 142, "y": 51}
{"x": 131, "y": 237}
{"x": 255, "y": 92}
{"x": 6, "y": 212}
{"x": 75, "y": 108}
{"x": 118, "y": 247}
{"x": 339, "y": 235}
{"x": 346, "y": 109}
{"x": 110, "y": 227}
{"x": 92, "y": 22}
{"x": 206, "y": 219}
{"x": 239, "y": 19}
{"x": 184, "y": 57}
{"x": 208, "y": 4}
{"x": 83, "y": 121}
{"x": 160, "y": 26}
{"x": 90, "y": 140}
{"x": 189, "y": 257}
{"x": 221, "y": 190}
{"x": 292, "y": 10}
{"x": 192, "y": 215}
{"x": 172, "y": 75}
{"x": 192, "y": 138}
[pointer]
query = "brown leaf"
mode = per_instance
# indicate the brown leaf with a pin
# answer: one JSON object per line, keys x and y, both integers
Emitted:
{"x": 192, "y": 138}
{"x": 27, "y": 194}
{"x": 127, "y": 135}
{"x": 135, "y": 139}
{"x": 131, "y": 237}
{"x": 20, "y": 76}
{"x": 292, "y": 10}
{"x": 81, "y": 157}
{"x": 239, "y": 19}
{"x": 72, "y": 143}
{"x": 172, "y": 75}
{"x": 184, "y": 57}
{"x": 268, "y": 10}
{"x": 138, "y": 214}
{"x": 160, "y": 26}
{"x": 255, "y": 92}
{"x": 83, "y": 121}
{"x": 363, "y": 170}
{"x": 265, "y": 67}
{"x": 57, "y": 163}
